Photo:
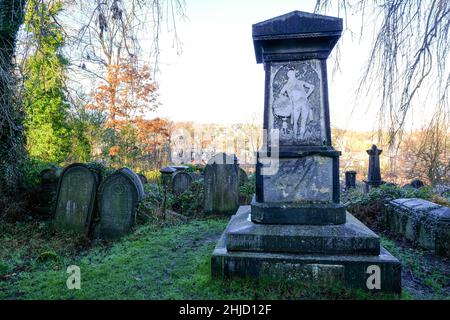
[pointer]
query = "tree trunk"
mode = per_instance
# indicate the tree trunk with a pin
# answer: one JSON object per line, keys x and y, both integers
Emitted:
{"x": 11, "y": 112}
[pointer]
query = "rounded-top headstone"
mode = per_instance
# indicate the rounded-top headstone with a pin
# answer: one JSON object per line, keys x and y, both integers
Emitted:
{"x": 181, "y": 181}
{"x": 119, "y": 196}
{"x": 75, "y": 200}
{"x": 136, "y": 180}
{"x": 417, "y": 184}
{"x": 50, "y": 175}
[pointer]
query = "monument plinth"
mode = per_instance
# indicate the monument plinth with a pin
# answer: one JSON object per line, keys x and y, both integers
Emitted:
{"x": 296, "y": 225}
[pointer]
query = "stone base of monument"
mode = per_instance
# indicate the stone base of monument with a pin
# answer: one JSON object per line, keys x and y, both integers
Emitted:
{"x": 297, "y": 213}
{"x": 331, "y": 254}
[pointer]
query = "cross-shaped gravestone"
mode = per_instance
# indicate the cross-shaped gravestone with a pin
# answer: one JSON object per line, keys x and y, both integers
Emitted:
{"x": 374, "y": 172}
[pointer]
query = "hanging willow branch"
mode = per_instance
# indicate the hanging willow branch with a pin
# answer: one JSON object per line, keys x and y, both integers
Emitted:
{"x": 408, "y": 61}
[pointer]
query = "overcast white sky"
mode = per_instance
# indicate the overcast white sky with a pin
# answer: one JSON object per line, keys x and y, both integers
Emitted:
{"x": 216, "y": 78}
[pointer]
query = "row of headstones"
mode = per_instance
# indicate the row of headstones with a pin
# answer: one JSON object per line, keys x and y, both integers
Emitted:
{"x": 222, "y": 178}
{"x": 87, "y": 205}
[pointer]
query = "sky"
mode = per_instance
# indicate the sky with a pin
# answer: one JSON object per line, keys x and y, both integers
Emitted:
{"x": 216, "y": 78}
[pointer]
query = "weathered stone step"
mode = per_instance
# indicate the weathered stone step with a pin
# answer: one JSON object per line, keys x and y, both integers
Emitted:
{"x": 353, "y": 271}
{"x": 352, "y": 238}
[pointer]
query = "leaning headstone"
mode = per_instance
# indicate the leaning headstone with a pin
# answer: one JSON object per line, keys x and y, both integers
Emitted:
{"x": 143, "y": 178}
{"x": 296, "y": 228}
{"x": 350, "y": 179}
{"x": 374, "y": 171}
{"x": 181, "y": 181}
{"x": 119, "y": 195}
{"x": 75, "y": 201}
{"x": 221, "y": 184}
{"x": 243, "y": 178}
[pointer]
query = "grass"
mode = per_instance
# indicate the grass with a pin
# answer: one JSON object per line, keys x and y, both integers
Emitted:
{"x": 154, "y": 262}
{"x": 425, "y": 276}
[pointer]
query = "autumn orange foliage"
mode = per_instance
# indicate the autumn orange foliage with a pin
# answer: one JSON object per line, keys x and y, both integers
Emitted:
{"x": 126, "y": 96}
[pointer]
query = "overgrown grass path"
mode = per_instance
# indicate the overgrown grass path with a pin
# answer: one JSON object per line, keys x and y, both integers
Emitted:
{"x": 164, "y": 262}
{"x": 152, "y": 263}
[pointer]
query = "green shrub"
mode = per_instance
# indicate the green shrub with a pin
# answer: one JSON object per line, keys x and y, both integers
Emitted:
{"x": 4, "y": 269}
{"x": 32, "y": 172}
{"x": 47, "y": 256}
{"x": 190, "y": 202}
{"x": 100, "y": 169}
{"x": 152, "y": 175}
{"x": 249, "y": 188}
{"x": 369, "y": 207}
{"x": 148, "y": 206}
{"x": 194, "y": 168}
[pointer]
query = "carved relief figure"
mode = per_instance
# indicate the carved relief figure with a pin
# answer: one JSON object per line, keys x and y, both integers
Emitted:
{"x": 296, "y": 103}
{"x": 298, "y": 92}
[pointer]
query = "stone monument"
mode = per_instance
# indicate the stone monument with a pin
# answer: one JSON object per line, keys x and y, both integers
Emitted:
{"x": 350, "y": 179}
{"x": 221, "y": 184}
{"x": 296, "y": 227}
{"x": 47, "y": 189}
{"x": 119, "y": 195}
{"x": 75, "y": 199}
{"x": 374, "y": 172}
{"x": 243, "y": 178}
{"x": 181, "y": 181}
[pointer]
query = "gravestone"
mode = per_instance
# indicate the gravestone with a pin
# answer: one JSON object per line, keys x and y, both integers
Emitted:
{"x": 374, "y": 172}
{"x": 423, "y": 222}
{"x": 417, "y": 184}
{"x": 143, "y": 178}
{"x": 221, "y": 184}
{"x": 296, "y": 228}
{"x": 243, "y": 178}
{"x": 49, "y": 178}
{"x": 75, "y": 200}
{"x": 181, "y": 181}
{"x": 48, "y": 188}
{"x": 119, "y": 195}
{"x": 350, "y": 179}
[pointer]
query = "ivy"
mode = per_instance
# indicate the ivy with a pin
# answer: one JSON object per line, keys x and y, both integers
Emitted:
{"x": 47, "y": 131}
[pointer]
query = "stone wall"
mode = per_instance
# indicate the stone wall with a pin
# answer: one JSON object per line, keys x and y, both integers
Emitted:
{"x": 423, "y": 222}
